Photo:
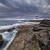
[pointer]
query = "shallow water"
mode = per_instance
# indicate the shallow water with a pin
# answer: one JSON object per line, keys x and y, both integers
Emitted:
{"x": 7, "y": 36}
{"x": 10, "y": 22}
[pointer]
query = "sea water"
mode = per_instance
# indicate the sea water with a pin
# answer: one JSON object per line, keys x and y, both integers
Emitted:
{"x": 7, "y": 37}
{"x": 8, "y": 22}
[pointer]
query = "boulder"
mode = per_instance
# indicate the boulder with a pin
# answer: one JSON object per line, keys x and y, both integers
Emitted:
{"x": 43, "y": 37}
{"x": 36, "y": 29}
{"x": 45, "y": 23}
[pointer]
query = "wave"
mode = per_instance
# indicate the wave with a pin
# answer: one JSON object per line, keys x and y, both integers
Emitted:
{"x": 8, "y": 38}
{"x": 22, "y": 18}
{"x": 17, "y": 24}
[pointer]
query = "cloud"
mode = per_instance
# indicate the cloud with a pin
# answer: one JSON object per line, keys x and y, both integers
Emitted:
{"x": 21, "y": 7}
{"x": 48, "y": 2}
{"x": 8, "y": 3}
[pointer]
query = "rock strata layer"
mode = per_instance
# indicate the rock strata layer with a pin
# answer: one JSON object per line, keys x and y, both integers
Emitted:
{"x": 28, "y": 38}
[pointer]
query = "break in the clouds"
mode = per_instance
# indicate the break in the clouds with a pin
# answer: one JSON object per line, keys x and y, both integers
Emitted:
{"x": 19, "y": 7}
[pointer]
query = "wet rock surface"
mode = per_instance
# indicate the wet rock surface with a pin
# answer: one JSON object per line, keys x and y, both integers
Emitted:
{"x": 1, "y": 40}
{"x": 30, "y": 38}
{"x": 45, "y": 23}
{"x": 8, "y": 30}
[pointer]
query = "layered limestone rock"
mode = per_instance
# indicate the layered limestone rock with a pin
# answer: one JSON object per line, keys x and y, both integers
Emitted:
{"x": 25, "y": 40}
{"x": 45, "y": 23}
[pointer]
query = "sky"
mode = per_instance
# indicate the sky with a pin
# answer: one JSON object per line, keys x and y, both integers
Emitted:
{"x": 25, "y": 8}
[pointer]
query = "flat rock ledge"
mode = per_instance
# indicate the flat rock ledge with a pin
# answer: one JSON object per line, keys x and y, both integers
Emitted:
{"x": 29, "y": 39}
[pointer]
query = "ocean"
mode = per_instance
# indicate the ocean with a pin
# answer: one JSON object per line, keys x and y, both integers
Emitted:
{"x": 8, "y": 22}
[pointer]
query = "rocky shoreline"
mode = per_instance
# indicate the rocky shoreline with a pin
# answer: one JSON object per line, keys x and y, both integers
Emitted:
{"x": 31, "y": 38}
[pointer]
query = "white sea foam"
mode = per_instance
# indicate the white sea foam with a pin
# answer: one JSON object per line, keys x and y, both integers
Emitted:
{"x": 8, "y": 38}
{"x": 17, "y": 24}
{"x": 24, "y": 18}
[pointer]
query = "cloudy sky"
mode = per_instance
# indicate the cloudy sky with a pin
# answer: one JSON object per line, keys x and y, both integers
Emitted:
{"x": 16, "y": 8}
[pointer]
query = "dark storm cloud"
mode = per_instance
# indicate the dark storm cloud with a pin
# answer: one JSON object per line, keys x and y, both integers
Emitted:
{"x": 27, "y": 8}
{"x": 19, "y": 7}
{"x": 48, "y": 1}
{"x": 8, "y": 3}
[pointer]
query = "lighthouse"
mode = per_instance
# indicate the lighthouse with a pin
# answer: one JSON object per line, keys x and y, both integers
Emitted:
{"x": 36, "y": 17}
